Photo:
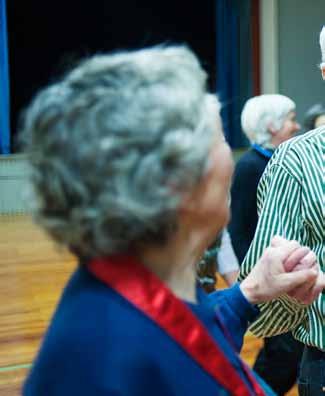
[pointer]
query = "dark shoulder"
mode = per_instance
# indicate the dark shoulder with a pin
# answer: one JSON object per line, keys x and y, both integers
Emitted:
{"x": 251, "y": 164}
{"x": 88, "y": 306}
{"x": 89, "y": 331}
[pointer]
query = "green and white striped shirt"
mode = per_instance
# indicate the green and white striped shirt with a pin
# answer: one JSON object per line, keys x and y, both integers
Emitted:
{"x": 291, "y": 203}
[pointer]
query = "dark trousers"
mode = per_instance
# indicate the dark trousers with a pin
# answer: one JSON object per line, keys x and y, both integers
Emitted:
{"x": 312, "y": 373}
{"x": 278, "y": 362}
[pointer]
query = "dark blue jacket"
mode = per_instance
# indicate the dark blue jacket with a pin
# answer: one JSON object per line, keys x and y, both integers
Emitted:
{"x": 98, "y": 344}
{"x": 242, "y": 226}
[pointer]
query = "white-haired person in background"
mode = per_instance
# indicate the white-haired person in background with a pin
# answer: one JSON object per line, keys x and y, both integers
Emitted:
{"x": 291, "y": 203}
{"x": 267, "y": 121}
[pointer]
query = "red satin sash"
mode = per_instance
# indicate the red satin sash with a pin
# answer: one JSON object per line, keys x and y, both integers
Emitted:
{"x": 147, "y": 293}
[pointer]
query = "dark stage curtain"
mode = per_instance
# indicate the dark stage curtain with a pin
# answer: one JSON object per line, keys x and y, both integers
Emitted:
{"x": 45, "y": 37}
{"x": 234, "y": 64}
{"x": 4, "y": 82}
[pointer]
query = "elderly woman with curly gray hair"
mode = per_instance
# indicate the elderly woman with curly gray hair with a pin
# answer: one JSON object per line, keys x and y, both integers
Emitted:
{"x": 131, "y": 172}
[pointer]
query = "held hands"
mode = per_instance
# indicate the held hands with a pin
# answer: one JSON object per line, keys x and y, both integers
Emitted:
{"x": 284, "y": 268}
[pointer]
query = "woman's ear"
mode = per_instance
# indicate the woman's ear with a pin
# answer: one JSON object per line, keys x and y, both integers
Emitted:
{"x": 272, "y": 130}
{"x": 189, "y": 202}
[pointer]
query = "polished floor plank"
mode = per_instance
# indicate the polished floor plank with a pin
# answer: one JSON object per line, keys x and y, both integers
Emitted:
{"x": 32, "y": 273}
{"x": 29, "y": 295}
{"x": 11, "y": 381}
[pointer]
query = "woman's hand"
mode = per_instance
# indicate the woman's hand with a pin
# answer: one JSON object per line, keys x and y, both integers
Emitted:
{"x": 285, "y": 267}
{"x": 307, "y": 293}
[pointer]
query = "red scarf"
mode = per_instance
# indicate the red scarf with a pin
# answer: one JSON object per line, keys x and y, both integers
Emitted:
{"x": 147, "y": 293}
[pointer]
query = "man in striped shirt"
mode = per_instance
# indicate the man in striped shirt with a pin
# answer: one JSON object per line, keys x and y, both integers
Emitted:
{"x": 291, "y": 203}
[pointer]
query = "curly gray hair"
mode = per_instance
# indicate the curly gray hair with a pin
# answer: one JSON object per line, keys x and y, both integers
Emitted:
{"x": 115, "y": 144}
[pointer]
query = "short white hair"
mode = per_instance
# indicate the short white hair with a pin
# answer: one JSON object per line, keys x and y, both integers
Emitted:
{"x": 322, "y": 46}
{"x": 260, "y": 112}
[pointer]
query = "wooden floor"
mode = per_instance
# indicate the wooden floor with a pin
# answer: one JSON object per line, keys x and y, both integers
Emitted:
{"x": 32, "y": 273}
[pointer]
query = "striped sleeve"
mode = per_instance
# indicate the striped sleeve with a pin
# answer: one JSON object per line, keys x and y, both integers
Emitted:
{"x": 279, "y": 208}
